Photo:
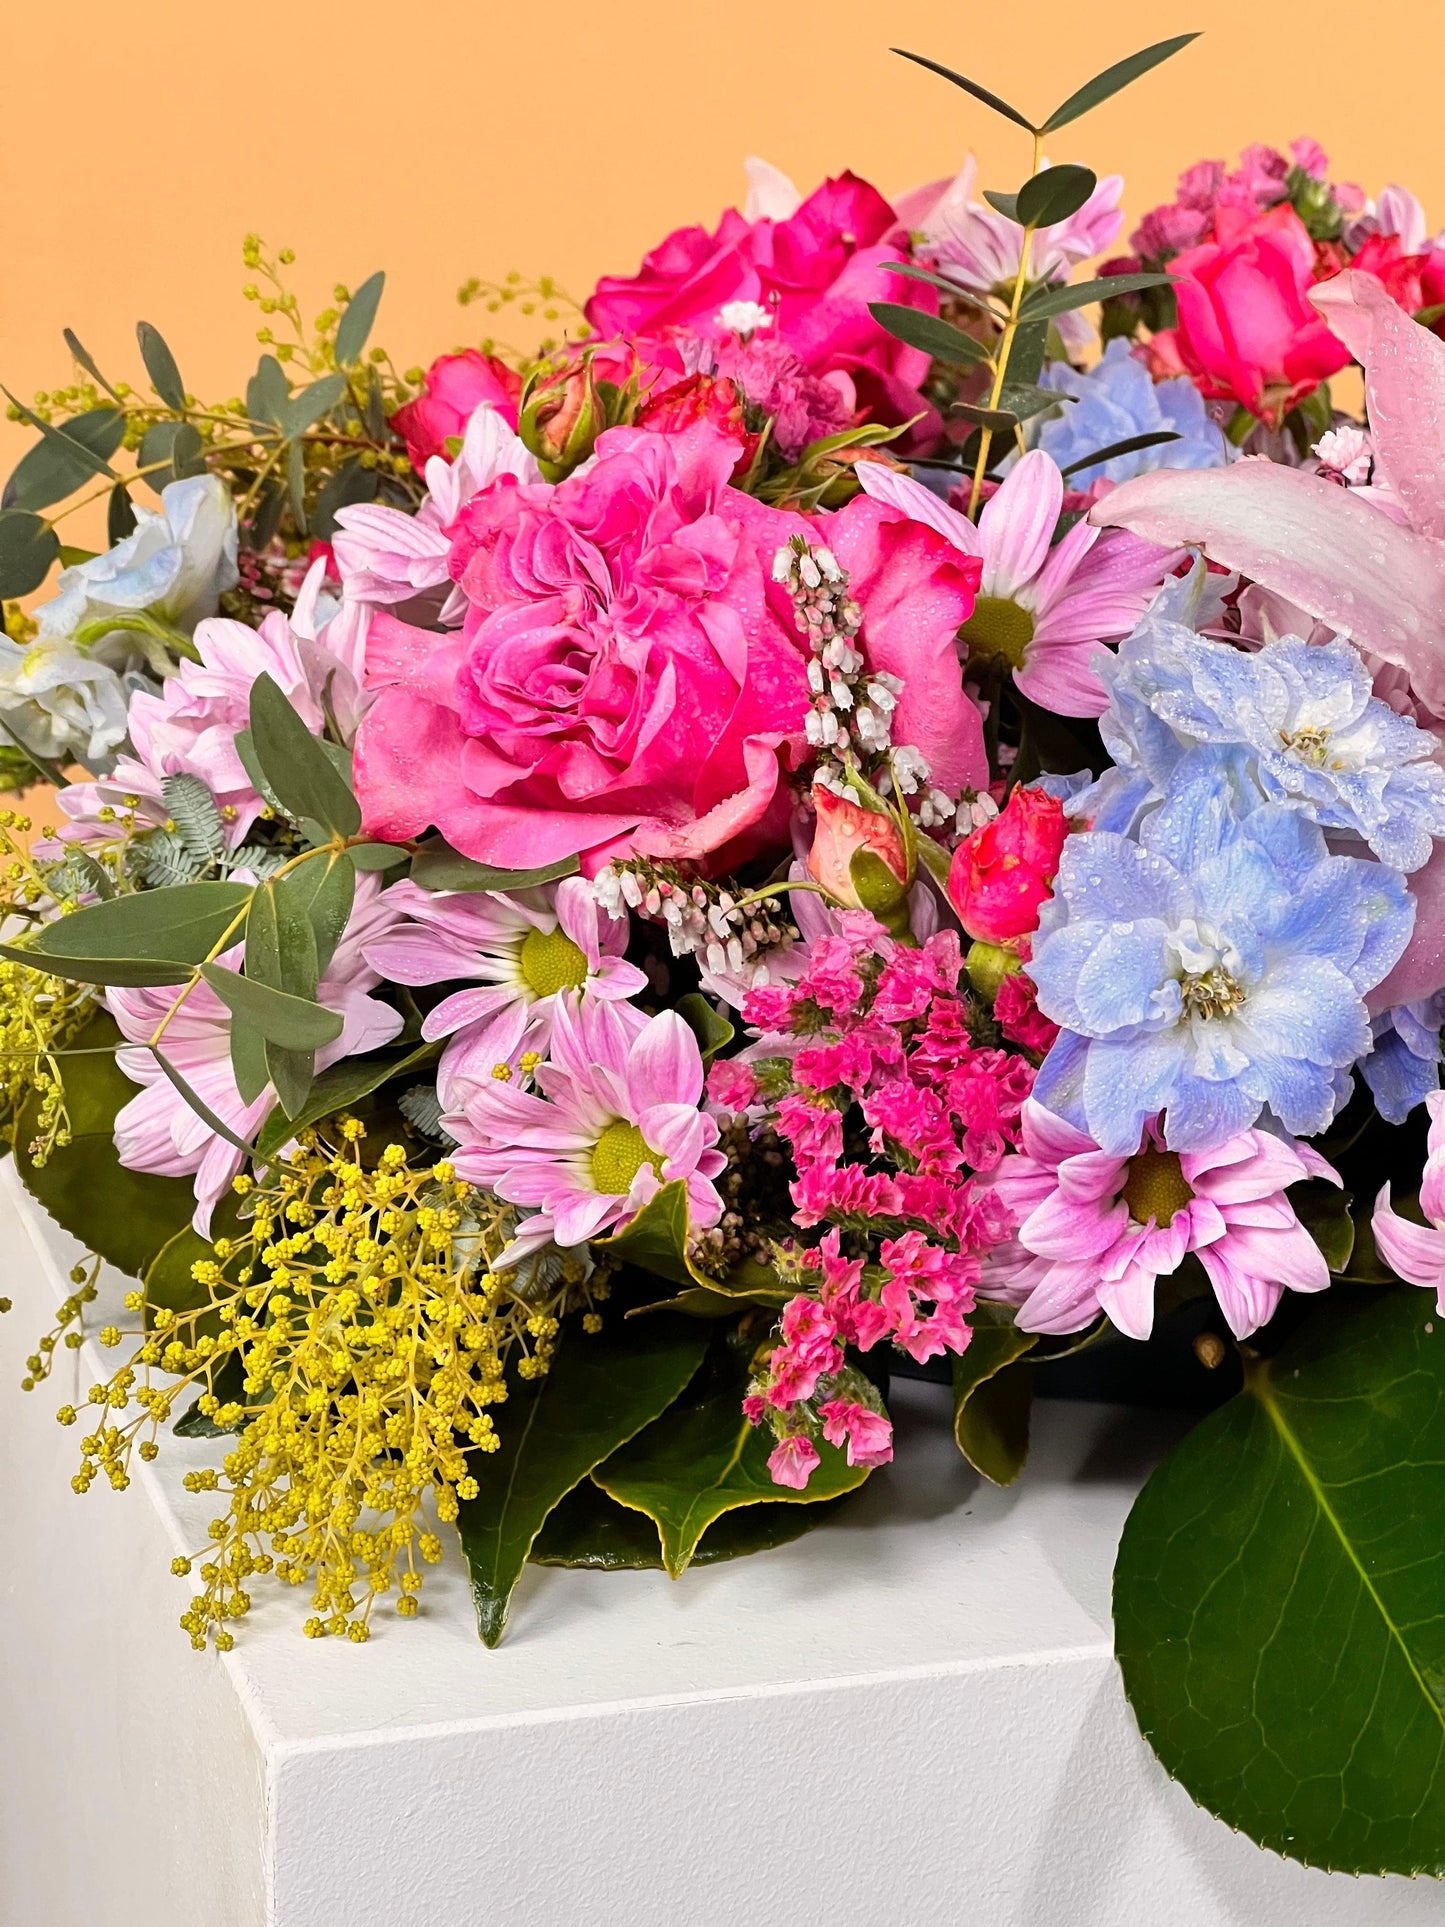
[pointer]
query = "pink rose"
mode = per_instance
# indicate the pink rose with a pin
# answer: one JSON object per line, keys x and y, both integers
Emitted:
{"x": 843, "y": 829}
{"x": 623, "y": 676}
{"x": 456, "y": 385}
{"x": 815, "y": 273}
{"x": 1005, "y": 869}
{"x": 1247, "y": 330}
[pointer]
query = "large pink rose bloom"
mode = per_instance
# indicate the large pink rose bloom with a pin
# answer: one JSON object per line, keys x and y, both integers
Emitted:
{"x": 620, "y": 673}
{"x": 1247, "y": 331}
{"x": 628, "y": 675}
{"x": 815, "y": 272}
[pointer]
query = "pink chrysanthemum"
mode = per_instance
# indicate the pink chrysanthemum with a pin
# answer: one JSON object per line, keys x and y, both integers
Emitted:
{"x": 1095, "y": 1232}
{"x": 1042, "y": 605}
{"x": 614, "y": 1117}
{"x": 524, "y": 953}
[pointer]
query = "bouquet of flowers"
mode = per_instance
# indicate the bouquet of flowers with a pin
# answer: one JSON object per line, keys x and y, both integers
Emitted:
{"x": 812, "y": 824}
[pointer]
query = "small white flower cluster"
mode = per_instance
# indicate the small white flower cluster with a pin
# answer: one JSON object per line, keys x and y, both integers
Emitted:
{"x": 743, "y": 317}
{"x": 702, "y": 918}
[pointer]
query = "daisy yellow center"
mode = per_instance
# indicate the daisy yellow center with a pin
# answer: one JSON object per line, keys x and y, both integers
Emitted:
{"x": 1156, "y": 1188}
{"x": 617, "y": 1157}
{"x": 998, "y": 627}
{"x": 550, "y": 962}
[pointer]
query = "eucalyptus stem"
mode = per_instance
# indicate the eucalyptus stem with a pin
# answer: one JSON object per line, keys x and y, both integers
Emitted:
{"x": 1005, "y": 347}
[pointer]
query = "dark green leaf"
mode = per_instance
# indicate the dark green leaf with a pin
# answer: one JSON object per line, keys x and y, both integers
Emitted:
{"x": 28, "y": 547}
{"x": 193, "y": 1099}
{"x": 119, "y": 515}
{"x": 186, "y": 452}
{"x": 969, "y": 87}
{"x": 911, "y": 271}
{"x": 161, "y": 366}
{"x": 599, "y": 1391}
{"x": 260, "y": 531}
{"x": 1048, "y": 300}
{"x": 1103, "y": 85}
{"x": 297, "y": 769}
{"x": 296, "y": 483}
{"x": 87, "y": 362}
{"x": 280, "y": 942}
{"x": 1027, "y": 356}
{"x": 1000, "y": 421}
{"x": 143, "y": 936}
{"x": 166, "y": 449}
{"x": 1054, "y": 194}
{"x": 268, "y": 392}
{"x": 1129, "y": 446}
{"x": 1277, "y": 1597}
{"x": 437, "y": 866}
{"x": 325, "y": 888}
{"x": 229, "y": 1385}
{"x": 248, "y": 1061}
{"x": 65, "y": 457}
{"x": 1324, "y": 1211}
{"x": 1005, "y": 204}
{"x": 926, "y": 331}
{"x": 354, "y": 330}
{"x": 337, "y": 1089}
{"x": 656, "y": 1239}
{"x": 1025, "y": 400}
{"x": 711, "y": 1029}
{"x": 377, "y": 856}
{"x": 124, "y": 1216}
{"x": 992, "y": 1396}
{"x": 352, "y": 483}
{"x": 700, "y": 1460}
{"x": 251, "y": 763}
{"x": 303, "y": 411}
{"x": 294, "y": 1023}
{"x": 589, "y": 1530}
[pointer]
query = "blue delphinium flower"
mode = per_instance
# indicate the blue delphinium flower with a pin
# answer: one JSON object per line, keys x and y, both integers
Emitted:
{"x": 1302, "y": 718}
{"x": 1212, "y": 969}
{"x": 1116, "y": 400}
{"x": 1404, "y": 1066}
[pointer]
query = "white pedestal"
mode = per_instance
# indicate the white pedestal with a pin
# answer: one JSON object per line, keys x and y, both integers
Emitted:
{"x": 912, "y": 1715}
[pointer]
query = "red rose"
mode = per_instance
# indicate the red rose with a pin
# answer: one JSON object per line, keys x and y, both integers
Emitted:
{"x": 1005, "y": 870}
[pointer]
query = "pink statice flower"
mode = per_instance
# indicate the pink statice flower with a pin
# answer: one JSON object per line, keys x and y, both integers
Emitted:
{"x": 1417, "y": 1251}
{"x": 793, "y": 1461}
{"x": 867, "y": 1434}
{"x": 1094, "y": 1232}
{"x": 615, "y": 1115}
{"x": 1042, "y": 606}
{"x": 158, "y": 1131}
{"x": 802, "y": 406}
{"x": 524, "y": 952}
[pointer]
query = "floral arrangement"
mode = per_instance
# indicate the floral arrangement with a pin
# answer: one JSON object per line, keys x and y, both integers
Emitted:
{"x": 823, "y": 823}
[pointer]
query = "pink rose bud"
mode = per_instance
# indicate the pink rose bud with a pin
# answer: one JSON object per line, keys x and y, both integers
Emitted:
{"x": 455, "y": 387}
{"x": 1005, "y": 870}
{"x": 561, "y": 417}
{"x": 859, "y": 858}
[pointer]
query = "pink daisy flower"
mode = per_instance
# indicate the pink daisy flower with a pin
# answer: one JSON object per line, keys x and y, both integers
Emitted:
{"x": 1042, "y": 605}
{"x": 158, "y": 1131}
{"x": 614, "y": 1117}
{"x": 524, "y": 953}
{"x": 1417, "y": 1251}
{"x": 1095, "y": 1232}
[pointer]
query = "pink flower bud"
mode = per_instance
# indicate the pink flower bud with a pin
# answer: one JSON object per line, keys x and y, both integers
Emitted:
{"x": 1004, "y": 871}
{"x": 844, "y": 830}
{"x": 455, "y": 387}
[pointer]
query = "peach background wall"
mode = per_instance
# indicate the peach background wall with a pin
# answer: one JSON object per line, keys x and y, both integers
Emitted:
{"x": 441, "y": 138}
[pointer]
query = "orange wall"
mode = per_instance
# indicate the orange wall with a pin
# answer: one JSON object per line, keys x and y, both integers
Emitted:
{"x": 440, "y": 138}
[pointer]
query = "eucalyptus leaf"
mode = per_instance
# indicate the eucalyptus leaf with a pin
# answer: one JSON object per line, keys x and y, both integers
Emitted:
{"x": 161, "y": 366}
{"x": 927, "y": 331}
{"x": 65, "y": 457}
{"x": 137, "y": 939}
{"x": 120, "y": 518}
{"x": 1277, "y": 1595}
{"x": 992, "y": 1396}
{"x": 377, "y": 856}
{"x": 354, "y": 329}
{"x": 1053, "y": 194}
{"x": 192, "y": 1098}
{"x": 1005, "y": 204}
{"x": 325, "y": 891}
{"x": 999, "y": 421}
{"x": 297, "y": 769}
{"x": 1131, "y": 445}
{"x": 295, "y": 1023}
{"x": 437, "y": 866}
{"x": 268, "y": 392}
{"x": 296, "y": 484}
{"x": 969, "y": 87}
{"x": 338, "y": 1088}
{"x": 1023, "y": 400}
{"x": 28, "y": 549}
{"x": 1046, "y": 300}
{"x": 305, "y": 409}
{"x": 87, "y": 362}
{"x": 911, "y": 271}
{"x": 352, "y": 483}
{"x": 248, "y": 1061}
{"x": 1103, "y": 86}
{"x": 599, "y": 1391}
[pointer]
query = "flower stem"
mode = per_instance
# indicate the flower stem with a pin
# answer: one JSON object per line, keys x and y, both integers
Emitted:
{"x": 1005, "y": 347}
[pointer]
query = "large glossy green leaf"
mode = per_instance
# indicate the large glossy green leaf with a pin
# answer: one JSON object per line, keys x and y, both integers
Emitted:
{"x": 125, "y": 1216}
{"x": 297, "y": 769}
{"x": 1103, "y": 86}
{"x": 993, "y": 1396}
{"x": 590, "y": 1530}
{"x": 152, "y": 937}
{"x": 1279, "y": 1597}
{"x": 703, "y": 1459}
{"x": 600, "y": 1391}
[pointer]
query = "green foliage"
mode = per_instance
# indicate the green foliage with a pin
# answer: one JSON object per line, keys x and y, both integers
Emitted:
{"x": 192, "y": 809}
{"x": 295, "y": 1023}
{"x": 702, "y": 1459}
{"x": 64, "y": 458}
{"x": 589, "y": 1530}
{"x": 337, "y": 1089}
{"x": 600, "y": 1390}
{"x": 126, "y": 1217}
{"x": 1053, "y": 194}
{"x": 1277, "y": 1596}
{"x": 927, "y": 331}
{"x": 1129, "y": 446}
{"x": 28, "y": 547}
{"x": 1113, "y": 79}
{"x": 993, "y": 1396}
{"x": 1047, "y": 300}
{"x": 153, "y": 937}
{"x": 354, "y": 329}
{"x": 437, "y": 866}
{"x": 161, "y": 366}
{"x": 297, "y": 769}
{"x": 998, "y": 105}
{"x": 712, "y": 1030}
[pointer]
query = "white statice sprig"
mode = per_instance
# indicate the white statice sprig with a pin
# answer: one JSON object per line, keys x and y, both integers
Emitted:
{"x": 703, "y": 919}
